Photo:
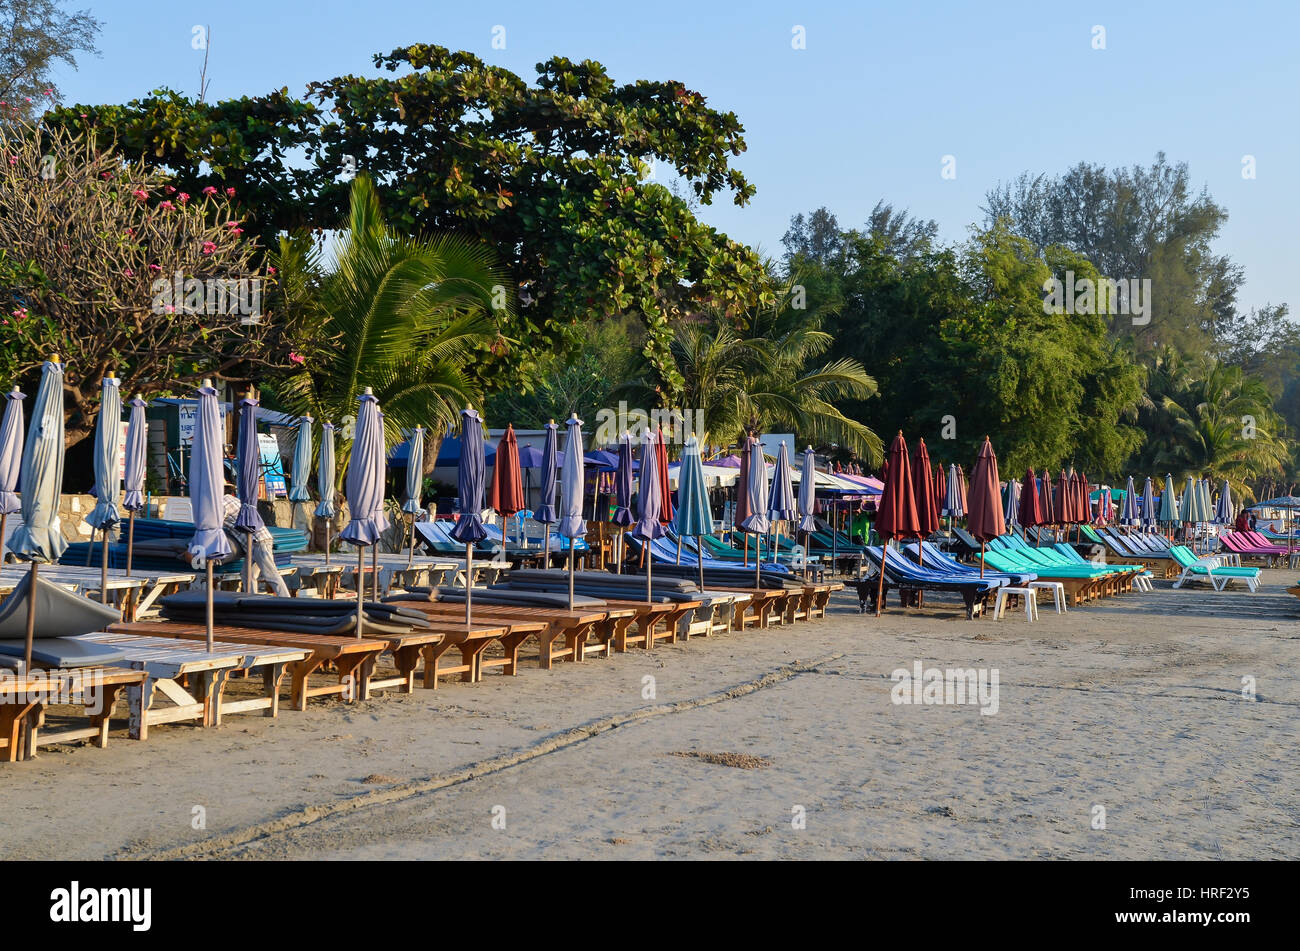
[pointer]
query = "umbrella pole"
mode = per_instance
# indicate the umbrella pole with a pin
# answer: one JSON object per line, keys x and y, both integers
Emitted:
{"x": 469, "y": 580}
{"x": 248, "y": 563}
{"x": 570, "y": 574}
{"x": 90, "y": 549}
{"x": 880, "y": 585}
{"x": 618, "y": 549}
{"x": 130, "y": 540}
{"x": 679, "y": 549}
{"x": 699, "y": 560}
{"x": 649, "y": 570}
{"x": 758, "y": 560}
{"x": 374, "y": 567}
{"x": 329, "y": 524}
{"x": 361, "y": 585}
{"x": 207, "y": 614}
{"x": 4, "y": 517}
{"x": 31, "y": 620}
{"x": 410, "y": 556}
{"x": 103, "y": 569}
{"x": 981, "y": 559}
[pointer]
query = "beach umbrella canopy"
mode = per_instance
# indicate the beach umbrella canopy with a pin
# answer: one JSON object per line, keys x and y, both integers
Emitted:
{"x": 754, "y": 475}
{"x": 953, "y": 505}
{"x": 665, "y": 493}
{"x": 40, "y": 537}
{"x": 206, "y": 480}
{"x": 11, "y": 451}
{"x": 781, "y": 505}
{"x": 137, "y": 436}
{"x": 363, "y": 486}
{"x": 927, "y": 503}
{"x": 985, "y": 519}
{"x": 693, "y": 515}
{"x": 1061, "y": 505}
{"x": 572, "y": 524}
{"x": 530, "y": 457}
{"x": 742, "y": 487}
{"x": 1011, "y": 503}
{"x": 896, "y": 515}
{"x": 545, "y": 511}
{"x": 623, "y": 483}
{"x": 249, "y": 469}
{"x": 414, "y": 474}
{"x": 298, "y": 491}
{"x": 507, "y": 495}
{"x": 108, "y": 449}
{"x": 1207, "y": 504}
{"x": 1168, "y": 501}
{"x": 649, "y": 503}
{"x": 807, "y": 488}
{"x": 470, "y": 472}
{"x": 940, "y": 487}
{"x": 325, "y": 473}
{"x": 1046, "y": 499}
{"x": 1079, "y": 498}
{"x": 1187, "y": 508}
{"x": 1224, "y": 509}
{"x": 1148, "y": 514}
{"x": 1030, "y": 510}
{"x": 1128, "y": 513}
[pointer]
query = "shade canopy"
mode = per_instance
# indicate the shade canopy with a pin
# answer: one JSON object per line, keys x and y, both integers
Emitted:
{"x": 693, "y": 515}
{"x": 807, "y": 488}
{"x": 665, "y": 490}
{"x": 572, "y": 524}
{"x": 781, "y": 504}
{"x": 108, "y": 456}
{"x": 649, "y": 503}
{"x": 414, "y": 483}
{"x": 1128, "y": 512}
{"x": 1224, "y": 510}
{"x": 896, "y": 515}
{"x": 755, "y": 478}
{"x": 1148, "y": 513}
{"x": 623, "y": 483}
{"x": 986, "y": 519}
{"x": 1011, "y": 502}
{"x": 470, "y": 473}
{"x": 137, "y": 438}
{"x": 927, "y": 504}
{"x": 507, "y": 494}
{"x": 206, "y": 480}
{"x": 325, "y": 473}
{"x": 11, "y": 451}
{"x": 1030, "y": 511}
{"x": 298, "y": 487}
{"x": 953, "y": 505}
{"x": 742, "y": 486}
{"x": 363, "y": 486}
{"x": 40, "y": 537}
{"x": 545, "y": 511}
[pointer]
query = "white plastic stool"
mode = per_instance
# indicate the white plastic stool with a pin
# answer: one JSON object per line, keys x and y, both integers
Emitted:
{"x": 1143, "y": 581}
{"x": 1028, "y": 595}
{"x": 1058, "y": 592}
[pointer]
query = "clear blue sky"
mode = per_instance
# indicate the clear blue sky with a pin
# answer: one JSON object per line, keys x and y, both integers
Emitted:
{"x": 867, "y": 111}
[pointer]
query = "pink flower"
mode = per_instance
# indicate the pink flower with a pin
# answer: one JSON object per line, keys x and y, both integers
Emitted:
{"x": 155, "y": 267}
{"x": 170, "y": 309}
{"x": 170, "y": 190}
{"x": 20, "y": 313}
{"x": 210, "y": 190}
{"x": 183, "y": 197}
{"x": 13, "y": 160}
{"x": 129, "y": 273}
{"x": 141, "y": 194}
{"x": 130, "y": 232}
{"x": 209, "y": 247}
{"x": 230, "y": 192}
{"x": 49, "y": 92}
{"x": 232, "y": 224}
{"x": 296, "y": 358}
{"x": 270, "y": 270}
{"x": 167, "y": 206}
{"x": 83, "y": 115}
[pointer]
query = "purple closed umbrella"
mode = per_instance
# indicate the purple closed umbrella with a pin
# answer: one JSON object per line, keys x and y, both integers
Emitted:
{"x": 623, "y": 494}
{"x": 11, "y": 460}
{"x": 545, "y": 514}
{"x": 249, "y": 464}
{"x": 572, "y": 524}
{"x": 807, "y": 500}
{"x": 206, "y": 481}
{"x": 649, "y": 503}
{"x": 757, "y": 522}
{"x": 469, "y": 529}
{"x": 364, "y": 489}
{"x": 137, "y": 437}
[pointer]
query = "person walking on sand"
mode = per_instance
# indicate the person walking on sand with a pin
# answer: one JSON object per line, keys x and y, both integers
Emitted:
{"x": 263, "y": 558}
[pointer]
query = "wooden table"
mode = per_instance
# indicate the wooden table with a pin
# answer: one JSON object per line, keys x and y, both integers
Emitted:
{"x": 24, "y": 697}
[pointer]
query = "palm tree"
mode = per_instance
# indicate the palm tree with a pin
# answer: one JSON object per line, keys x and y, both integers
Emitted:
{"x": 404, "y": 316}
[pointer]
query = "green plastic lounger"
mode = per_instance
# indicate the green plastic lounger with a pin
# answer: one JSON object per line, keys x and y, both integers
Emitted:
{"x": 1218, "y": 575}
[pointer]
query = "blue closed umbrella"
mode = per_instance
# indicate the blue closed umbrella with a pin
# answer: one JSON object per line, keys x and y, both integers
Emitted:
{"x": 952, "y": 504}
{"x": 545, "y": 513}
{"x": 693, "y": 515}
{"x": 469, "y": 529}
{"x": 1148, "y": 504}
{"x": 571, "y": 523}
{"x": 298, "y": 491}
{"x": 1224, "y": 509}
{"x": 1128, "y": 514}
{"x": 11, "y": 460}
{"x": 1011, "y": 503}
{"x": 364, "y": 489}
{"x": 108, "y": 446}
{"x": 248, "y": 475}
{"x": 414, "y": 483}
{"x": 781, "y": 506}
{"x": 807, "y": 492}
{"x": 209, "y": 541}
{"x": 649, "y": 503}
{"x": 137, "y": 437}
{"x": 325, "y": 485}
{"x": 623, "y": 495}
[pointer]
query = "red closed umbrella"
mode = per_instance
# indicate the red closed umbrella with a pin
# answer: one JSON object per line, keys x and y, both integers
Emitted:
{"x": 506, "y": 493}
{"x": 1030, "y": 513}
{"x": 1085, "y": 502}
{"x": 965, "y": 495}
{"x": 1064, "y": 509}
{"x": 939, "y": 486}
{"x": 896, "y": 515}
{"x": 985, "y": 518}
{"x": 1078, "y": 503}
{"x": 1045, "y": 496}
{"x": 927, "y": 503}
{"x": 661, "y": 449}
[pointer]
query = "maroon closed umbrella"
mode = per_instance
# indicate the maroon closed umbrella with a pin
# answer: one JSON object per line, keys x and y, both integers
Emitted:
{"x": 927, "y": 504}
{"x": 661, "y": 450}
{"x": 896, "y": 511}
{"x": 985, "y": 518}
{"x": 1078, "y": 504}
{"x": 506, "y": 494}
{"x": 1045, "y": 496}
{"x": 965, "y": 495}
{"x": 1030, "y": 512}
{"x": 742, "y": 498}
{"x": 1064, "y": 510}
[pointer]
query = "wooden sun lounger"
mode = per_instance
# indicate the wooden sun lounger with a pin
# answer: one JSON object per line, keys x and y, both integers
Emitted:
{"x": 347, "y": 654}
{"x": 552, "y": 627}
{"x": 647, "y": 617}
{"x": 25, "y": 697}
{"x": 763, "y": 603}
{"x": 194, "y": 680}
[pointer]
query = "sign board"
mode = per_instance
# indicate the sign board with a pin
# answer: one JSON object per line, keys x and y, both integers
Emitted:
{"x": 121, "y": 452}
{"x": 186, "y": 414}
{"x": 272, "y": 468}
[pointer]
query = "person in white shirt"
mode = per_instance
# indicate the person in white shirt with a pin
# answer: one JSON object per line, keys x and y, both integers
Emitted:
{"x": 261, "y": 543}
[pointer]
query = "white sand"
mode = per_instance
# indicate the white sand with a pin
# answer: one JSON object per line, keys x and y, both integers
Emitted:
{"x": 1133, "y": 704}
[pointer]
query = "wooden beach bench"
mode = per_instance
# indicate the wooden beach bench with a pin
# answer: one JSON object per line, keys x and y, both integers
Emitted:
{"x": 195, "y": 681}
{"x": 551, "y": 627}
{"x": 25, "y": 697}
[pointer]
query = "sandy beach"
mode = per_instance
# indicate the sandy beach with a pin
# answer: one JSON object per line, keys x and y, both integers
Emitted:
{"x": 783, "y": 743}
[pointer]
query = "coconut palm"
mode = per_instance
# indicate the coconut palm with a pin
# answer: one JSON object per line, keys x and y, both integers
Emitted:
{"x": 404, "y": 316}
